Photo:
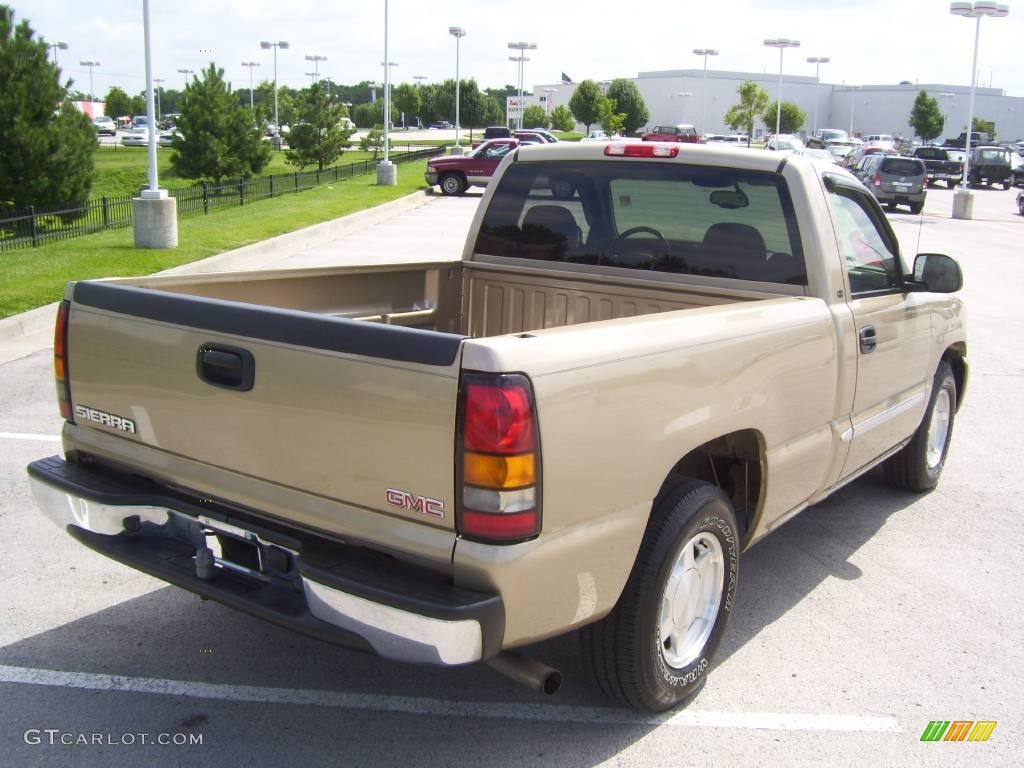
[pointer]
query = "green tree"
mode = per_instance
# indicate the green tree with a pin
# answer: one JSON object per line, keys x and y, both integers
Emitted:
{"x": 753, "y": 100}
{"x": 138, "y": 105}
{"x": 47, "y": 158}
{"x": 493, "y": 111}
{"x": 630, "y": 103}
{"x": 926, "y": 118}
{"x": 263, "y": 102}
{"x": 471, "y": 102}
{"x": 535, "y": 117}
{"x": 319, "y": 137}
{"x": 373, "y": 141}
{"x": 981, "y": 125}
{"x": 612, "y": 121}
{"x": 407, "y": 100}
{"x": 561, "y": 118}
{"x": 117, "y": 102}
{"x": 585, "y": 103}
{"x": 218, "y": 137}
{"x": 791, "y": 120}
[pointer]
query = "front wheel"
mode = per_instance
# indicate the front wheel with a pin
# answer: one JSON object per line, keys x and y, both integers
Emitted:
{"x": 919, "y": 463}
{"x": 452, "y": 184}
{"x": 654, "y": 649}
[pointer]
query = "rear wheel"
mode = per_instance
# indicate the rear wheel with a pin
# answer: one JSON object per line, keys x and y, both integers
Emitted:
{"x": 1020, "y": 205}
{"x": 916, "y": 208}
{"x": 452, "y": 184}
{"x": 890, "y": 207}
{"x": 655, "y": 648}
{"x": 919, "y": 463}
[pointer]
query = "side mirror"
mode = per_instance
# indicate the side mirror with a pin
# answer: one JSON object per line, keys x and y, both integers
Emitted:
{"x": 937, "y": 273}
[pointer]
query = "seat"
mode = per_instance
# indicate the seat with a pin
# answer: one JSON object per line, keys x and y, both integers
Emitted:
{"x": 736, "y": 248}
{"x": 550, "y": 232}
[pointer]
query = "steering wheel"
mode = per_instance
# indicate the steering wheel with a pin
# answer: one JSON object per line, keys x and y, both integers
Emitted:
{"x": 637, "y": 231}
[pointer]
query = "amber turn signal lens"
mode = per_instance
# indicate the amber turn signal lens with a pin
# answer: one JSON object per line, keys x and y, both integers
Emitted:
{"x": 498, "y": 471}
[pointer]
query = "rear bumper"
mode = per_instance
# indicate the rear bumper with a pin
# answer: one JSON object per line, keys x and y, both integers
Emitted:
{"x": 336, "y": 592}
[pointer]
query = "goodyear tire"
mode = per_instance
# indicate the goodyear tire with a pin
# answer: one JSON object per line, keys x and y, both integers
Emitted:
{"x": 452, "y": 184}
{"x": 655, "y": 648}
{"x": 919, "y": 463}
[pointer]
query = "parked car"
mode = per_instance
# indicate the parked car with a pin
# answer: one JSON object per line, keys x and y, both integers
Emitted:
{"x": 860, "y": 151}
{"x": 683, "y": 132}
{"x": 597, "y": 135}
{"x": 990, "y": 165}
{"x": 784, "y": 142}
{"x": 579, "y": 427}
{"x": 829, "y": 135}
{"x": 896, "y": 180}
{"x": 884, "y": 140}
{"x": 439, "y": 124}
{"x": 1017, "y": 179}
{"x": 140, "y": 121}
{"x": 978, "y": 138}
{"x": 135, "y": 137}
{"x": 940, "y": 166}
{"x": 497, "y": 132}
{"x": 529, "y": 137}
{"x": 104, "y": 126}
{"x": 549, "y": 137}
{"x": 166, "y": 138}
{"x": 454, "y": 173}
{"x": 1020, "y": 203}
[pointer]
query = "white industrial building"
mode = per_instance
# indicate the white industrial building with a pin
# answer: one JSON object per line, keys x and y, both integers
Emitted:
{"x": 687, "y": 96}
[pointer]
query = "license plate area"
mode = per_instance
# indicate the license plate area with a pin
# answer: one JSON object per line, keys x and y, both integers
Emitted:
{"x": 240, "y": 551}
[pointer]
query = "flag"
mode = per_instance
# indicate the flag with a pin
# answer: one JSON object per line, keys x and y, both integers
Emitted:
{"x": 566, "y": 80}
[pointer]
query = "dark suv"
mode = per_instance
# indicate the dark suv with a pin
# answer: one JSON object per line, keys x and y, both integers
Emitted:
{"x": 990, "y": 165}
{"x": 497, "y": 132}
{"x": 896, "y": 180}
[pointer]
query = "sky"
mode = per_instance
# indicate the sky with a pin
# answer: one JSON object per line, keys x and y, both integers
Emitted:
{"x": 868, "y": 42}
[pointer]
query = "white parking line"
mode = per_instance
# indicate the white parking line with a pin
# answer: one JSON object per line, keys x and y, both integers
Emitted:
{"x": 772, "y": 721}
{"x": 27, "y": 436}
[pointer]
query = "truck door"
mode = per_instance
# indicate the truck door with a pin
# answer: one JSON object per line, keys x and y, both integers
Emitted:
{"x": 893, "y": 330}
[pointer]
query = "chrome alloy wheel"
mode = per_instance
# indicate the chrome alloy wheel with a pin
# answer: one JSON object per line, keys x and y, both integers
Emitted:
{"x": 690, "y": 602}
{"x": 938, "y": 428}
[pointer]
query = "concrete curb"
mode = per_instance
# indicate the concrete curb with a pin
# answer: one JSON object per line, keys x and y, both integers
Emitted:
{"x": 255, "y": 256}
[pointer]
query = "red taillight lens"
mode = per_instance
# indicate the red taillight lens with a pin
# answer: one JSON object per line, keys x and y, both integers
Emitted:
{"x": 643, "y": 149}
{"x": 878, "y": 180}
{"x": 498, "y": 475}
{"x": 60, "y": 361}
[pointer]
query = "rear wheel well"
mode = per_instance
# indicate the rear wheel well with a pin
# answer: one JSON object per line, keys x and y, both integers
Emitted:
{"x": 734, "y": 464}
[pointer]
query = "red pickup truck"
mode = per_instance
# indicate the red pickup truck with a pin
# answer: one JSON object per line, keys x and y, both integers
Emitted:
{"x": 684, "y": 132}
{"x": 454, "y": 173}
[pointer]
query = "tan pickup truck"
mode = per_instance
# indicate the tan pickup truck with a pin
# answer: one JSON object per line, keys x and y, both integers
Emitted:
{"x": 649, "y": 357}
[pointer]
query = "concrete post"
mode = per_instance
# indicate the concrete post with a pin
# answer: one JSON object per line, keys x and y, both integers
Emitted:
{"x": 155, "y": 221}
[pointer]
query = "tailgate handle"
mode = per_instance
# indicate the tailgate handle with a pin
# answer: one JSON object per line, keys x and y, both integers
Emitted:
{"x": 226, "y": 367}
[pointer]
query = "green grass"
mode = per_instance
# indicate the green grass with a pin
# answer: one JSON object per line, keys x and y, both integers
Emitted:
{"x": 36, "y": 276}
{"x": 122, "y": 170}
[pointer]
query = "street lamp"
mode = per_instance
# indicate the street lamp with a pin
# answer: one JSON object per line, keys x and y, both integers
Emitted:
{"x": 250, "y": 65}
{"x": 186, "y": 73}
{"x": 782, "y": 44}
{"x": 159, "y": 81}
{"x": 91, "y": 65}
{"x": 387, "y": 172}
{"x": 458, "y": 33}
{"x": 962, "y": 199}
{"x": 283, "y": 45}
{"x": 521, "y": 58}
{"x": 55, "y": 47}
{"x": 705, "y": 52}
{"x": 316, "y": 59}
{"x": 817, "y": 61}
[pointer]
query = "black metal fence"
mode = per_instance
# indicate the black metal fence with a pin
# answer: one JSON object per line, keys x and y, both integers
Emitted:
{"x": 33, "y": 226}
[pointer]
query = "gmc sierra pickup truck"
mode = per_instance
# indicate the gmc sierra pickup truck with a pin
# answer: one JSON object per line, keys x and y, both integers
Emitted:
{"x": 939, "y": 166}
{"x": 580, "y": 425}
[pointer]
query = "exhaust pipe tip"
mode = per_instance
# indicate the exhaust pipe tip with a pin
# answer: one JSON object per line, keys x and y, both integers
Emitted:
{"x": 529, "y": 672}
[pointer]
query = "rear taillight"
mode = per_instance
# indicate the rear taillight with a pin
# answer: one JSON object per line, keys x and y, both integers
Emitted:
{"x": 60, "y": 361}
{"x": 878, "y": 180}
{"x": 498, "y": 474}
{"x": 650, "y": 149}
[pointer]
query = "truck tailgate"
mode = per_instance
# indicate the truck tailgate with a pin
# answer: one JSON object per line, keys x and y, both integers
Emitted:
{"x": 354, "y": 412}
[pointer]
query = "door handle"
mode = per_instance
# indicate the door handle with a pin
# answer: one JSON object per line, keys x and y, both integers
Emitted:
{"x": 868, "y": 339}
{"x": 226, "y": 367}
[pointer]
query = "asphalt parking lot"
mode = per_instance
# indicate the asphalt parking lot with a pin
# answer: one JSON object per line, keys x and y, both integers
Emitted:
{"x": 857, "y": 623}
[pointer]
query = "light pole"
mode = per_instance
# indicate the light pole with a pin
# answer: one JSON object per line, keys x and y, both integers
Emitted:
{"x": 419, "y": 79}
{"x": 962, "y": 198}
{"x": 521, "y": 46}
{"x": 853, "y": 105}
{"x": 705, "y": 52}
{"x": 387, "y": 172}
{"x": 817, "y": 61}
{"x": 186, "y": 73}
{"x": 91, "y": 65}
{"x": 250, "y": 65}
{"x": 282, "y": 44}
{"x": 458, "y": 33}
{"x": 159, "y": 81}
{"x": 312, "y": 76}
{"x": 316, "y": 59}
{"x": 154, "y": 214}
{"x": 55, "y": 47}
{"x": 782, "y": 44}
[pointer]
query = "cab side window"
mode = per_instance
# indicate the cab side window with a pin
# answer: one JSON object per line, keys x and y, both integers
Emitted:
{"x": 869, "y": 255}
